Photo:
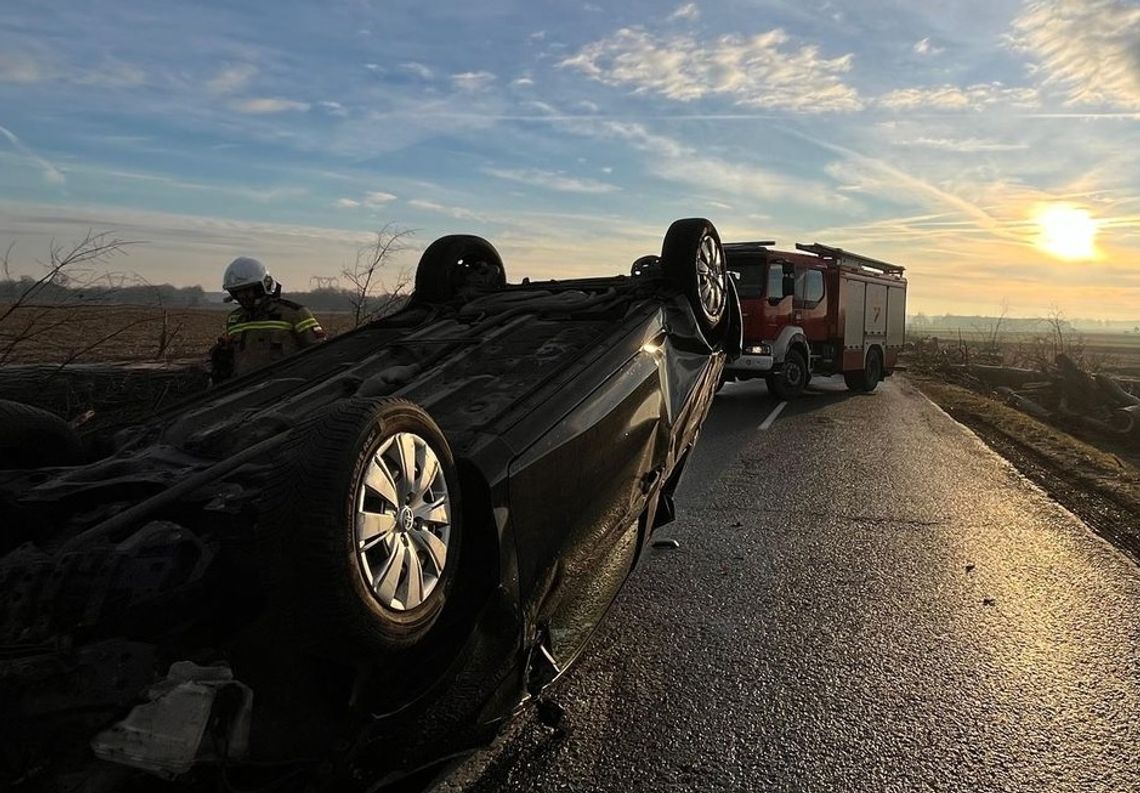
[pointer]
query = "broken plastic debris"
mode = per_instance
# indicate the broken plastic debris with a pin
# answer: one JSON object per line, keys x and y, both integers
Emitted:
{"x": 165, "y": 735}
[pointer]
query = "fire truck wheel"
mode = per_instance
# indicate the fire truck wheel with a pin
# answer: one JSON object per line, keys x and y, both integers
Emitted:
{"x": 456, "y": 264}
{"x": 789, "y": 381}
{"x": 865, "y": 380}
{"x": 692, "y": 258}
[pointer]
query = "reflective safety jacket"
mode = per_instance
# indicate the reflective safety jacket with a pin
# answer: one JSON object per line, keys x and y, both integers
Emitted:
{"x": 274, "y": 330}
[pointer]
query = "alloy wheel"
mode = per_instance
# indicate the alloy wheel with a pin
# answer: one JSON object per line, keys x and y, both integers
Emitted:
{"x": 403, "y": 522}
{"x": 710, "y": 278}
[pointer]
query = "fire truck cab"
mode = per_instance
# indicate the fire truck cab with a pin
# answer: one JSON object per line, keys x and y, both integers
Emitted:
{"x": 819, "y": 310}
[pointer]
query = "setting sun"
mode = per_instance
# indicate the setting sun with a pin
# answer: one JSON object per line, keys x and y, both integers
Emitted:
{"x": 1066, "y": 232}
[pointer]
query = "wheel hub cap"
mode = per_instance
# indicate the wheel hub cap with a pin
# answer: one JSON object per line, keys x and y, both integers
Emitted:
{"x": 710, "y": 278}
{"x": 403, "y": 522}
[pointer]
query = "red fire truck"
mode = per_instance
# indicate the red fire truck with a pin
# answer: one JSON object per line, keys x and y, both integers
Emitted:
{"x": 821, "y": 310}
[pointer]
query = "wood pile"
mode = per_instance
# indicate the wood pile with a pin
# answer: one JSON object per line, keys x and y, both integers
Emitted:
{"x": 1066, "y": 395}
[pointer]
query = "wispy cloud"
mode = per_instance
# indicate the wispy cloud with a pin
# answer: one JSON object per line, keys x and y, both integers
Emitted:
{"x": 952, "y": 97}
{"x": 262, "y": 194}
{"x": 925, "y": 47}
{"x": 248, "y": 121}
{"x": 52, "y": 175}
{"x": 106, "y": 72}
{"x": 231, "y": 79}
{"x": 112, "y": 73}
{"x": 1088, "y": 48}
{"x": 22, "y": 67}
{"x": 673, "y": 160}
{"x": 459, "y": 213}
{"x": 888, "y": 181}
{"x": 418, "y": 69}
{"x": 754, "y": 71}
{"x": 961, "y": 145}
{"x": 687, "y": 11}
{"x": 333, "y": 108}
{"x": 472, "y": 81}
{"x": 551, "y": 180}
{"x": 268, "y": 105}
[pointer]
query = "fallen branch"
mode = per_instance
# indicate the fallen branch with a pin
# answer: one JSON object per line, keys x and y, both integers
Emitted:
{"x": 1023, "y": 403}
{"x": 1114, "y": 392}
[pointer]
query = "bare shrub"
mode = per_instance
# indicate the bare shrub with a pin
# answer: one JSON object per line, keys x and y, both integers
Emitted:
{"x": 46, "y": 313}
{"x": 1056, "y": 338}
{"x": 369, "y": 294}
{"x": 991, "y": 349}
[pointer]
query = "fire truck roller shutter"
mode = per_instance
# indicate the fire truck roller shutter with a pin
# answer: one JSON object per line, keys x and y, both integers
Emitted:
{"x": 875, "y": 323}
{"x": 854, "y": 307}
{"x": 896, "y": 325}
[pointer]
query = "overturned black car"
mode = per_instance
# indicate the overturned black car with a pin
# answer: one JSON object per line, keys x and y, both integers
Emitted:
{"x": 366, "y": 557}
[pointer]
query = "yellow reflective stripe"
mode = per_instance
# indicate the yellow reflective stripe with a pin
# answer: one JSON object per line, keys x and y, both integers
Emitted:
{"x": 241, "y": 327}
{"x": 305, "y": 324}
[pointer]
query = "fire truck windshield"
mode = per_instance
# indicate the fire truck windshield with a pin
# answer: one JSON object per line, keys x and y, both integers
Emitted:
{"x": 751, "y": 280}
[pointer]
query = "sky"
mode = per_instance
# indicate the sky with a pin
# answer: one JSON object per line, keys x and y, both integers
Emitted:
{"x": 991, "y": 147}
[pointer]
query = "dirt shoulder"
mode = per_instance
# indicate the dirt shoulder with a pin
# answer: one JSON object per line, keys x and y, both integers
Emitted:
{"x": 1098, "y": 486}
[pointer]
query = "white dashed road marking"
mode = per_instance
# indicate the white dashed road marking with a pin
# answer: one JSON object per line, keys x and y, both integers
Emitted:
{"x": 773, "y": 416}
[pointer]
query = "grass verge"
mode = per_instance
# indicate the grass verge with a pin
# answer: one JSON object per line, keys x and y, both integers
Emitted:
{"x": 1096, "y": 485}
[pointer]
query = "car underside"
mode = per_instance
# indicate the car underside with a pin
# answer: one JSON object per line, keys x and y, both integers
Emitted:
{"x": 366, "y": 557}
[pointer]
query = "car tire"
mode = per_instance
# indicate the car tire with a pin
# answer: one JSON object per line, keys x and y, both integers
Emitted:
{"x": 693, "y": 260}
{"x": 335, "y": 533}
{"x": 865, "y": 380}
{"x": 456, "y": 264}
{"x": 791, "y": 379}
{"x": 34, "y": 438}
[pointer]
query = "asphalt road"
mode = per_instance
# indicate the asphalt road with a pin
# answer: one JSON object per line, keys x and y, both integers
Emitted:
{"x": 865, "y": 599}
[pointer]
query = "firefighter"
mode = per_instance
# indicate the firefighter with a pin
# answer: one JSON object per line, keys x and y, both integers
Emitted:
{"x": 265, "y": 328}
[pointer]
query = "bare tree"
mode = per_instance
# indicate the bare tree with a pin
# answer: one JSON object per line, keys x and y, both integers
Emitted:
{"x": 41, "y": 309}
{"x": 369, "y": 293}
{"x": 991, "y": 349}
{"x": 1058, "y": 330}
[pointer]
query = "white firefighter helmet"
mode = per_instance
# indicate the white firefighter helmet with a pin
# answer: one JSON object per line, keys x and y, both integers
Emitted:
{"x": 244, "y": 272}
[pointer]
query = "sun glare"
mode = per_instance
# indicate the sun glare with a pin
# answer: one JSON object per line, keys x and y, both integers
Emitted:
{"x": 1066, "y": 232}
